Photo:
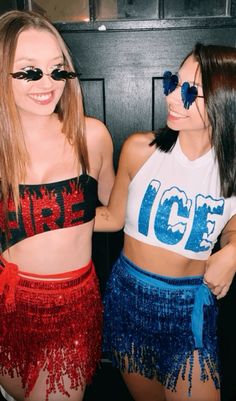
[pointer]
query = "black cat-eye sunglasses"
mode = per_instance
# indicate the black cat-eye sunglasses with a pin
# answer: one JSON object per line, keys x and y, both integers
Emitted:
{"x": 35, "y": 74}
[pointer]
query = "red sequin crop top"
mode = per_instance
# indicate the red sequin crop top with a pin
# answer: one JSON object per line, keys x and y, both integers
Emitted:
{"x": 46, "y": 207}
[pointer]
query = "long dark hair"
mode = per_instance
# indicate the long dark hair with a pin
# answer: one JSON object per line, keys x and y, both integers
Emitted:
{"x": 218, "y": 70}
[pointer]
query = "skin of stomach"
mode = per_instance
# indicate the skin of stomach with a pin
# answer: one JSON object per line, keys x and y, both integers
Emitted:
{"x": 53, "y": 252}
{"x": 161, "y": 261}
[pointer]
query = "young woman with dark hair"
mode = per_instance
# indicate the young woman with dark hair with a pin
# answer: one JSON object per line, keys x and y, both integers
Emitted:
{"x": 175, "y": 193}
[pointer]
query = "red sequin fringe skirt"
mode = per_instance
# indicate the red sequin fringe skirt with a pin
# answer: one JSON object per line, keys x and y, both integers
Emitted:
{"x": 55, "y": 326}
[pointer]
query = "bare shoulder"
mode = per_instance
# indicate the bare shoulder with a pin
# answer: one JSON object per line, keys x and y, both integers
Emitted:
{"x": 140, "y": 141}
{"x": 100, "y": 148}
{"x": 96, "y": 129}
{"x": 136, "y": 150}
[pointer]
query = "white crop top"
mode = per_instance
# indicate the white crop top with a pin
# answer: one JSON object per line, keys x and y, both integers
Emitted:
{"x": 175, "y": 203}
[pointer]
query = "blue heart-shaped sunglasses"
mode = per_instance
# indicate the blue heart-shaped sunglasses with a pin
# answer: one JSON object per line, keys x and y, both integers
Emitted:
{"x": 188, "y": 93}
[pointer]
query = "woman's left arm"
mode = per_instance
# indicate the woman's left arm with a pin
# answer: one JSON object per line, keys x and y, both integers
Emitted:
{"x": 106, "y": 176}
{"x": 221, "y": 266}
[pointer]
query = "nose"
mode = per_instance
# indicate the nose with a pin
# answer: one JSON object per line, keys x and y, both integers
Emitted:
{"x": 175, "y": 95}
{"x": 45, "y": 82}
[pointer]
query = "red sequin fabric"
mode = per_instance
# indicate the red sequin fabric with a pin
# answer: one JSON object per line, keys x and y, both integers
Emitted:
{"x": 47, "y": 207}
{"x": 54, "y": 326}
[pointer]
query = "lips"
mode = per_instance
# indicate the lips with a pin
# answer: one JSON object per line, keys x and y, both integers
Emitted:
{"x": 174, "y": 115}
{"x": 42, "y": 98}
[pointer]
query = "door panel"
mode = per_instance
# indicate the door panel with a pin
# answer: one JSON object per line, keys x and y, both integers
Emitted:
{"x": 94, "y": 98}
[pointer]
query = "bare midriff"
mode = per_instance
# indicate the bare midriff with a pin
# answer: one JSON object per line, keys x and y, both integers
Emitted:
{"x": 52, "y": 252}
{"x": 161, "y": 261}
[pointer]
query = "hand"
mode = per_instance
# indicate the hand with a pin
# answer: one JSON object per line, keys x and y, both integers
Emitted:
{"x": 218, "y": 291}
{"x": 220, "y": 270}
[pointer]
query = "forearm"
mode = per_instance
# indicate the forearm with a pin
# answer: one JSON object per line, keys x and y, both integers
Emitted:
{"x": 105, "y": 221}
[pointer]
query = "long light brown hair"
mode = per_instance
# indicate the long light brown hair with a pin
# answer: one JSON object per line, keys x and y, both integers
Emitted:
{"x": 13, "y": 153}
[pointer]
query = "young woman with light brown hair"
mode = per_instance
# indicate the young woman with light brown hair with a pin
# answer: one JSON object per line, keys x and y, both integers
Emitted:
{"x": 55, "y": 164}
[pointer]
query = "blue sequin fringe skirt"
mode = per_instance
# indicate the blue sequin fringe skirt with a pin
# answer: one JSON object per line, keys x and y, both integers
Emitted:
{"x": 153, "y": 324}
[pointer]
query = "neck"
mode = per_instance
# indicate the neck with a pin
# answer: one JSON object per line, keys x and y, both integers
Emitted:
{"x": 39, "y": 126}
{"x": 196, "y": 144}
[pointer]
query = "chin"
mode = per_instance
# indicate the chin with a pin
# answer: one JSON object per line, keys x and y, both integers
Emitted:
{"x": 45, "y": 110}
{"x": 173, "y": 125}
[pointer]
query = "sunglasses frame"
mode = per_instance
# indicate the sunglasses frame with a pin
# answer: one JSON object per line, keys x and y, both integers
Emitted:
{"x": 35, "y": 74}
{"x": 187, "y": 97}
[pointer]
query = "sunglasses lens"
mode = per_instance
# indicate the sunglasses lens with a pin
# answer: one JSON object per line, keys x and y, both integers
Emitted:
{"x": 59, "y": 75}
{"x": 34, "y": 74}
{"x": 30, "y": 75}
{"x": 170, "y": 82}
{"x": 188, "y": 94}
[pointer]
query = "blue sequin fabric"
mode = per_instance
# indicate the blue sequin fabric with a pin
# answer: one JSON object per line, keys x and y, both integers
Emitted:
{"x": 153, "y": 324}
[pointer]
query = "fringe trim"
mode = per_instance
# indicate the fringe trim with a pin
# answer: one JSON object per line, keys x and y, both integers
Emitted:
{"x": 133, "y": 364}
{"x": 55, "y": 327}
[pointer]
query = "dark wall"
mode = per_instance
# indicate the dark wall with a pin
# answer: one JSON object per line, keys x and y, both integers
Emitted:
{"x": 7, "y": 5}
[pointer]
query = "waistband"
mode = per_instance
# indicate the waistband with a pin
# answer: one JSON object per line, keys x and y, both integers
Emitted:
{"x": 11, "y": 276}
{"x": 202, "y": 296}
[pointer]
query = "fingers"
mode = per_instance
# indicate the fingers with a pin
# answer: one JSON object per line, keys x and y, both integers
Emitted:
{"x": 209, "y": 285}
{"x": 218, "y": 291}
{"x": 223, "y": 292}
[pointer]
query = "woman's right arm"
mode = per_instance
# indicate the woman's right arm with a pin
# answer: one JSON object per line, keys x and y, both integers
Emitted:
{"x": 112, "y": 216}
